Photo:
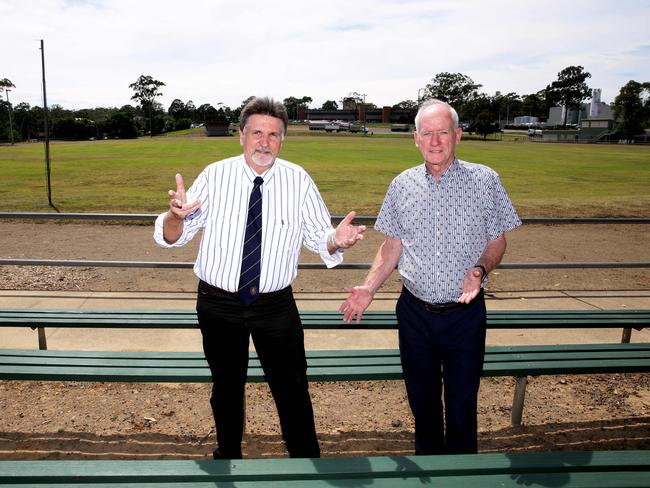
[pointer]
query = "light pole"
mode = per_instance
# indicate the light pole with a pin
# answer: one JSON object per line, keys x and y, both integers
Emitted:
{"x": 363, "y": 106}
{"x": 420, "y": 96}
{"x": 47, "y": 131}
{"x": 11, "y": 128}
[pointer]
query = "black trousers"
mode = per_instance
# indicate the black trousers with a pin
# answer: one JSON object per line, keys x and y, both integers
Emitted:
{"x": 442, "y": 348}
{"x": 274, "y": 324}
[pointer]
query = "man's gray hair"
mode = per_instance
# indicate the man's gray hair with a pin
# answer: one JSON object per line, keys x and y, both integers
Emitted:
{"x": 264, "y": 106}
{"x": 428, "y": 104}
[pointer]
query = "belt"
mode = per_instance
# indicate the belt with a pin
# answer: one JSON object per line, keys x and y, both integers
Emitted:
{"x": 433, "y": 307}
{"x": 214, "y": 291}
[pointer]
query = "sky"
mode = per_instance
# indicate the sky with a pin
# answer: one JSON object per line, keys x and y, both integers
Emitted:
{"x": 217, "y": 51}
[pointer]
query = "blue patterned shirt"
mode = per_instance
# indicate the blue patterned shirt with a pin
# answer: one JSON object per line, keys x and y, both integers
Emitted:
{"x": 444, "y": 227}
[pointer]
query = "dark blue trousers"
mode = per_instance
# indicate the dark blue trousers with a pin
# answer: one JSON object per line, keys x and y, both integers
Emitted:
{"x": 442, "y": 348}
{"x": 274, "y": 324}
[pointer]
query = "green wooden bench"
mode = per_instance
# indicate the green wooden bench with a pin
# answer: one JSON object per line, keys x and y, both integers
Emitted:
{"x": 186, "y": 319}
{"x": 624, "y": 469}
{"x": 333, "y": 365}
{"x": 323, "y": 365}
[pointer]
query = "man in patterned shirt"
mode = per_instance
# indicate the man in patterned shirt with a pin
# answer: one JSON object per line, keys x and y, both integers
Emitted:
{"x": 445, "y": 223}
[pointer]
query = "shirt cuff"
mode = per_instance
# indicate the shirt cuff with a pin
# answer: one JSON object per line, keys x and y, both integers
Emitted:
{"x": 158, "y": 234}
{"x": 330, "y": 260}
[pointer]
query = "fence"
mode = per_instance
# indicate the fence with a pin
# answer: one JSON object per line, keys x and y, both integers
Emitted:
{"x": 365, "y": 219}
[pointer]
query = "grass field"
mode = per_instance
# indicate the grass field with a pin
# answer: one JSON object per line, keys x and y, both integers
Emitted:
{"x": 351, "y": 172}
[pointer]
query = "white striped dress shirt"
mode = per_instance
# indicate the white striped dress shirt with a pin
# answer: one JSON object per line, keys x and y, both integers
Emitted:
{"x": 293, "y": 213}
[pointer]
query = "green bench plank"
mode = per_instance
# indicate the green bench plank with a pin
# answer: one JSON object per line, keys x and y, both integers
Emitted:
{"x": 343, "y": 373}
{"x": 199, "y": 362}
{"x": 337, "y": 365}
{"x": 316, "y": 319}
{"x": 390, "y": 357}
{"x": 515, "y": 465}
{"x": 324, "y": 353}
{"x": 625, "y": 479}
{"x": 330, "y": 353}
{"x": 565, "y": 480}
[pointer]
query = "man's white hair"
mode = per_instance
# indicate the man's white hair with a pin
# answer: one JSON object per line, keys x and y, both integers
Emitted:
{"x": 428, "y": 104}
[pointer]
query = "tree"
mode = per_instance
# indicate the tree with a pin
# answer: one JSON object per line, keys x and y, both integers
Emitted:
{"x": 203, "y": 111}
{"x": 330, "y": 105}
{"x": 472, "y": 108}
{"x": 292, "y": 104}
{"x": 631, "y": 109}
{"x": 507, "y": 106}
{"x": 534, "y": 105}
{"x": 71, "y": 128}
{"x": 190, "y": 110}
{"x": 454, "y": 88}
{"x": 29, "y": 120}
{"x": 129, "y": 109}
{"x": 57, "y": 112}
{"x": 146, "y": 90}
{"x": 352, "y": 101}
{"x": 121, "y": 125}
{"x": 484, "y": 124}
{"x": 570, "y": 89}
{"x": 5, "y": 85}
{"x": 177, "y": 109}
{"x": 406, "y": 105}
{"x": 237, "y": 112}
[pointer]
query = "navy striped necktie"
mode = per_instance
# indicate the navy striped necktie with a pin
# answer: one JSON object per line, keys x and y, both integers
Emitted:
{"x": 249, "y": 280}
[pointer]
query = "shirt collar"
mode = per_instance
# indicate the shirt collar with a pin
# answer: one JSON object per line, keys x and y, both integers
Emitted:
{"x": 451, "y": 171}
{"x": 251, "y": 175}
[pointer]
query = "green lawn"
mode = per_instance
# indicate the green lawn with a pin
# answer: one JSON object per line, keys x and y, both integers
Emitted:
{"x": 351, "y": 172}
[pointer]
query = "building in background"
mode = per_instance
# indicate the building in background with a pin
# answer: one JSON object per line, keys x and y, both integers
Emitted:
{"x": 556, "y": 116}
{"x": 594, "y": 122}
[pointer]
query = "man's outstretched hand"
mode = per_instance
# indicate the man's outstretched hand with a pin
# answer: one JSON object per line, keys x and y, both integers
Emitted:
{"x": 359, "y": 299}
{"x": 471, "y": 285}
{"x": 347, "y": 234}
{"x": 178, "y": 206}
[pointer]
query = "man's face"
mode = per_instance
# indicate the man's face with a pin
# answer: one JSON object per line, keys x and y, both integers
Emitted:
{"x": 261, "y": 140}
{"x": 437, "y": 139}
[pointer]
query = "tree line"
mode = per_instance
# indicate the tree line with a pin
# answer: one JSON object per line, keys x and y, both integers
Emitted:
{"x": 481, "y": 112}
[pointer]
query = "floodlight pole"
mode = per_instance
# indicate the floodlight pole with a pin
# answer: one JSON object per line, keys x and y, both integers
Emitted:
{"x": 47, "y": 131}
{"x": 11, "y": 128}
{"x": 364, "y": 112}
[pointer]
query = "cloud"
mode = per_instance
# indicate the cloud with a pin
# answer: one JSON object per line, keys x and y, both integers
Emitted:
{"x": 214, "y": 51}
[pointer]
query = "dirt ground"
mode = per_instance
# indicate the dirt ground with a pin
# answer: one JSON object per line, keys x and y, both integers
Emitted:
{"x": 123, "y": 421}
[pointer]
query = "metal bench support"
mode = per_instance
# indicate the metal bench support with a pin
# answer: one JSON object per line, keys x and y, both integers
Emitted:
{"x": 518, "y": 400}
{"x": 42, "y": 339}
{"x": 627, "y": 334}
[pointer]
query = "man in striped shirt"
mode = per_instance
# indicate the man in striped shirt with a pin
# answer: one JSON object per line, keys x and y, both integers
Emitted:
{"x": 445, "y": 223}
{"x": 292, "y": 213}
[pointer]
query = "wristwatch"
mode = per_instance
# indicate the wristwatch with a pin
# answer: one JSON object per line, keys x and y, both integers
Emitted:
{"x": 483, "y": 271}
